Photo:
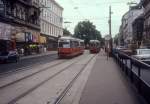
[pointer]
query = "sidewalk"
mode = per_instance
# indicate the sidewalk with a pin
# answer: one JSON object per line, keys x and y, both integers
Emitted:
{"x": 38, "y": 55}
{"x": 107, "y": 85}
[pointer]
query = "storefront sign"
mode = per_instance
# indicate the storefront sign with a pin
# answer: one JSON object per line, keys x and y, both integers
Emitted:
{"x": 5, "y": 31}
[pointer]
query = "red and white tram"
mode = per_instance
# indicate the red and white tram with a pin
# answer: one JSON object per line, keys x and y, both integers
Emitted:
{"x": 81, "y": 46}
{"x": 94, "y": 46}
{"x": 70, "y": 47}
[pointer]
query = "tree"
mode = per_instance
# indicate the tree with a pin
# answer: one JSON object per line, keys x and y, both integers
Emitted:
{"x": 66, "y": 32}
{"x": 87, "y": 31}
{"x": 116, "y": 39}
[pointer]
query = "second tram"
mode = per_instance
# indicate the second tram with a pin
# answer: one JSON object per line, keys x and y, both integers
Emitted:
{"x": 94, "y": 46}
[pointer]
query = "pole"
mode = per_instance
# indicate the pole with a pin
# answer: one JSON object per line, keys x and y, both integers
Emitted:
{"x": 110, "y": 31}
{"x": 110, "y": 21}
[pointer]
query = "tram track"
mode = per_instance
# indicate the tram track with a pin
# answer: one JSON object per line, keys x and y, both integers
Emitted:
{"x": 65, "y": 91}
{"x": 27, "y": 92}
{"x": 30, "y": 75}
{"x": 12, "y": 101}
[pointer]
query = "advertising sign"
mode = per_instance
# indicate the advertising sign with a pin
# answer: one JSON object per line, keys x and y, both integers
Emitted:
{"x": 35, "y": 38}
{"x": 107, "y": 37}
{"x": 5, "y": 31}
{"x": 28, "y": 37}
{"x": 20, "y": 37}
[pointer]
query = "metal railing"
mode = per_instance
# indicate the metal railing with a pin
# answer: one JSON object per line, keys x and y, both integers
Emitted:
{"x": 128, "y": 65}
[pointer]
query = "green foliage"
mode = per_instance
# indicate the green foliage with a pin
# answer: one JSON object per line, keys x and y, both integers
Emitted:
{"x": 116, "y": 39}
{"x": 87, "y": 31}
{"x": 66, "y": 32}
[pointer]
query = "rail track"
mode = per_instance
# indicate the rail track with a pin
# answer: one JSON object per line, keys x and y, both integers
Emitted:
{"x": 30, "y": 75}
{"x": 62, "y": 95}
{"x": 17, "y": 97}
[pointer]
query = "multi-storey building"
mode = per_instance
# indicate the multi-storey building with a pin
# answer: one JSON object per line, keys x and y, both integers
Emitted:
{"x": 137, "y": 26}
{"x": 120, "y": 37}
{"x": 146, "y": 33}
{"x": 51, "y": 22}
{"x": 19, "y": 23}
{"x": 127, "y": 20}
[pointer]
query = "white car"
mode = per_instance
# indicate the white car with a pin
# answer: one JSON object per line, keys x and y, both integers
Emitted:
{"x": 143, "y": 55}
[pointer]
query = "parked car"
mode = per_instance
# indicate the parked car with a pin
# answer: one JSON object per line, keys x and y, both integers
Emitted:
{"x": 9, "y": 56}
{"x": 143, "y": 55}
{"x": 121, "y": 48}
{"x": 118, "y": 48}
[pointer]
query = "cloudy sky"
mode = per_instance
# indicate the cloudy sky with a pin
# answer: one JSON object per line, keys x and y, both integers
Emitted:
{"x": 97, "y": 11}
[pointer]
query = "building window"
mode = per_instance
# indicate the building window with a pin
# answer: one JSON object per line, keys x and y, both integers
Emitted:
{"x": 2, "y": 7}
{"x": 15, "y": 11}
{"x": 8, "y": 9}
{"x": 23, "y": 13}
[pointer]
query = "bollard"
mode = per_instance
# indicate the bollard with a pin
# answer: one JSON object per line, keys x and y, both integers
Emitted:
{"x": 126, "y": 67}
{"x": 139, "y": 81}
{"x": 131, "y": 71}
{"x": 122, "y": 63}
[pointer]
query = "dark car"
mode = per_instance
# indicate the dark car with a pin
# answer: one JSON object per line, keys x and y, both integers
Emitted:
{"x": 9, "y": 56}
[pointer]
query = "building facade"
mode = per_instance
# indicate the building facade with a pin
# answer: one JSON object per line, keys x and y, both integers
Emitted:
{"x": 146, "y": 33}
{"x": 19, "y": 23}
{"x": 138, "y": 26}
{"x": 120, "y": 37}
{"x": 51, "y": 22}
{"x": 127, "y": 20}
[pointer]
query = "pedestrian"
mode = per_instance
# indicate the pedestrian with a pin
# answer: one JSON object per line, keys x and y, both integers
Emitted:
{"x": 107, "y": 53}
{"x": 22, "y": 51}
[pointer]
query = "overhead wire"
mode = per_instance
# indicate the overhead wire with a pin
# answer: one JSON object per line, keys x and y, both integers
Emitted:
{"x": 73, "y": 3}
{"x": 80, "y": 5}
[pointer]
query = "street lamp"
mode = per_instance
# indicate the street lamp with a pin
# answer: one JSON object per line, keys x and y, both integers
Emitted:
{"x": 67, "y": 22}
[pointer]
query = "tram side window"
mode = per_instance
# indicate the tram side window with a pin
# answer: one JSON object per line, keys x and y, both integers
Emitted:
{"x": 76, "y": 44}
{"x": 72, "y": 44}
{"x": 92, "y": 45}
{"x": 64, "y": 45}
{"x": 82, "y": 44}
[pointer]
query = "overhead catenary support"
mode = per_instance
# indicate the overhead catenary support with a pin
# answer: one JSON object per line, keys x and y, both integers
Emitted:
{"x": 110, "y": 32}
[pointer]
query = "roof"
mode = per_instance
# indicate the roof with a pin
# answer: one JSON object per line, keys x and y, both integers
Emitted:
{"x": 94, "y": 41}
{"x": 58, "y": 4}
{"x": 70, "y": 38}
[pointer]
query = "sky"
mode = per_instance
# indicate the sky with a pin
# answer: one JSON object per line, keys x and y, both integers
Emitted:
{"x": 96, "y": 11}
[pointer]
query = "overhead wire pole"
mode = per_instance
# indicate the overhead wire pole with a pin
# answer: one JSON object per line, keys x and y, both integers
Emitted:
{"x": 110, "y": 33}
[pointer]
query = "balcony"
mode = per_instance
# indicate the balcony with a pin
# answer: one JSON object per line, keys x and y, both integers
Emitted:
{"x": 26, "y": 2}
{"x": 145, "y": 2}
{"x": 35, "y": 3}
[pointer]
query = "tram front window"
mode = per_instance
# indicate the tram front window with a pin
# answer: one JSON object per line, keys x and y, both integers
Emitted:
{"x": 64, "y": 45}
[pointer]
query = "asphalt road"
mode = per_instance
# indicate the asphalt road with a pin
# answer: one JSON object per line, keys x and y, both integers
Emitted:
{"x": 27, "y": 62}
